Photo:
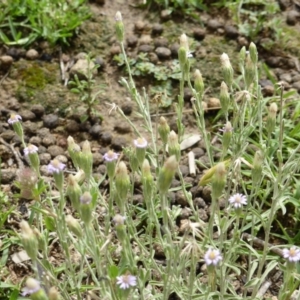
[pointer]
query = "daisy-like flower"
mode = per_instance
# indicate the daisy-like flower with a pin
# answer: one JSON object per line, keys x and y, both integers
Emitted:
{"x": 14, "y": 119}
{"x": 212, "y": 257}
{"x": 31, "y": 149}
{"x": 111, "y": 156}
{"x": 32, "y": 286}
{"x": 119, "y": 220}
{"x": 55, "y": 166}
{"x": 126, "y": 281}
{"x": 292, "y": 254}
{"x": 238, "y": 200}
{"x": 86, "y": 198}
{"x": 140, "y": 142}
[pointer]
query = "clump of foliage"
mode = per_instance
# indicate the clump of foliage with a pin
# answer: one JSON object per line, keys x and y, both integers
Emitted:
{"x": 24, "y": 21}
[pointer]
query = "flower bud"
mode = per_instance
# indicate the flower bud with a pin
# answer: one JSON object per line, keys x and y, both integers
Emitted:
{"x": 224, "y": 97}
{"x": 119, "y": 26}
{"x": 271, "y": 119}
{"x": 242, "y": 57}
{"x": 56, "y": 168}
{"x": 257, "y": 167}
{"x": 111, "y": 158}
{"x": 41, "y": 241}
{"x": 173, "y": 145}
{"x": 219, "y": 180}
{"x": 53, "y": 294}
{"x": 227, "y": 133}
{"x": 253, "y": 53}
{"x": 29, "y": 240}
{"x": 86, "y": 208}
{"x": 163, "y": 130}
{"x": 227, "y": 69}
{"x": 250, "y": 71}
{"x": 198, "y": 82}
{"x": 31, "y": 151}
{"x": 73, "y": 192}
{"x": 74, "y": 152}
{"x": 122, "y": 182}
{"x": 74, "y": 226}
{"x": 86, "y": 159}
{"x": 140, "y": 148}
{"x": 147, "y": 181}
{"x": 119, "y": 221}
{"x": 166, "y": 174}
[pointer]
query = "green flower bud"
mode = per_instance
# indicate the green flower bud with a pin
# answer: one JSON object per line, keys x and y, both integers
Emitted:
{"x": 257, "y": 167}
{"x": 163, "y": 130}
{"x": 173, "y": 145}
{"x": 219, "y": 180}
{"x": 140, "y": 148}
{"x": 166, "y": 174}
{"x": 86, "y": 159}
{"x": 29, "y": 240}
{"x": 198, "y": 82}
{"x": 122, "y": 182}
{"x": 147, "y": 181}
{"x": 250, "y": 71}
{"x": 253, "y": 53}
{"x": 86, "y": 208}
{"x": 224, "y": 97}
{"x": 227, "y": 69}
{"x": 119, "y": 26}
{"x": 73, "y": 192}
{"x": 182, "y": 57}
{"x": 242, "y": 57}
{"x": 53, "y": 294}
{"x": 227, "y": 134}
{"x": 74, "y": 226}
{"x": 74, "y": 152}
{"x": 120, "y": 227}
{"x": 271, "y": 119}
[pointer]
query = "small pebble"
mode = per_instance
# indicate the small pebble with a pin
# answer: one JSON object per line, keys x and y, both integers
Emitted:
{"x": 50, "y": 121}
{"x": 72, "y": 126}
{"x": 213, "y": 24}
{"x": 161, "y": 42}
{"x": 127, "y": 109}
{"x": 49, "y": 140}
{"x": 106, "y": 138}
{"x": 139, "y": 26}
{"x": 145, "y": 40}
{"x": 132, "y": 41}
{"x": 32, "y": 54}
{"x": 5, "y": 62}
{"x": 122, "y": 127}
{"x": 118, "y": 143}
{"x": 55, "y": 151}
{"x": 180, "y": 198}
{"x": 214, "y": 103}
{"x": 45, "y": 158}
{"x": 296, "y": 85}
{"x": 292, "y": 17}
{"x": 38, "y": 110}
{"x": 27, "y": 115}
{"x": 199, "y": 34}
{"x": 97, "y": 159}
{"x": 231, "y": 32}
{"x": 163, "y": 52}
{"x": 95, "y": 131}
{"x": 145, "y": 48}
{"x": 157, "y": 29}
{"x": 174, "y": 50}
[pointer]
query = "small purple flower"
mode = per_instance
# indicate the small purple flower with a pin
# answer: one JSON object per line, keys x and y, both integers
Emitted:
{"x": 140, "y": 142}
{"x": 31, "y": 149}
{"x": 292, "y": 254}
{"x": 119, "y": 220}
{"x": 126, "y": 281}
{"x": 238, "y": 200}
{"x": 111, "y": 156}
{"x": 55, "y": 166}
{"x": 14, "y": 119}
{"x": 32, "y": 286}
{"x": 212, "y": 257}
{"x": 86, "y": 198}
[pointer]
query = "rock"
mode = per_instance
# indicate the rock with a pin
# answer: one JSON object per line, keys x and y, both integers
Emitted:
{"x": 127, "y": 109}
{"x": 163, "y": 52}
{"x": 50, "y": 121}
{"x": 45, "y": 158}
{"x": 139, "y": 26}
{"x": 206, "y": 194}
{"x": 38, "y": 110}
{"x": 31, "y": 127}
{"x": 165, "y": 14}
{"x": 100, "y": 2}
{"x": 122, "y": 127}
{"x": 13, "y": 104}
{"x": 296, "y": 78}
{"x": 199, "y": 202}
{"x": 101, "y": 169}
{"x": 145, "y": 48}
{"x": 115, "y": 50}
{"x": 5, "y": 153}
{"x": 145, "y": 40}
{"x": 161, "y": 42}
{"x": 273, "y": 61}
{"x": 153, "y": 57}
{"x": 32, "y": 54}
{"x": 157, "y": 29}
{"x": 283, "y": 4}
{"x": 43, "y": 132}
{"x": 203, "y": 215}
{"x": 268, "y": 90}
{"x": 8, "y": 135}
{"x": 7, "y": 176}
{"x": 198, "y": 152}
{"x": 27, "y": 115}
{"x": 204, "y": 162}
{"x": 187, "y": 95}
{"x": 106, "y": 138}
{"x": 132, "y": 41}
{"x": 242, "y": 41}
{"x": 180, "y": 198}
{"x": 184, "y": 170}
{"x": 296, "y": 85}
{"x": 199, "y": 34}
{"x": 286, "y": 77}
{"x": 214, "y": 103}
{"x": 55, "y": 151}
{"x": 174, "y": 50}
{"x": 49, "y": 140}
{"x": 231, "y": 32}
{"x": 292, "y": 17}
{"x": 100, "y": 62}
{"x": 118, "y": 143}
{"x": 95, "y": 131}
{"x": 213, "y": 24}
{"x": 5, "y": 62}
{"x": 97, "y": 159}
{"x": 72, "y": 126}
{"x": 82, "y": 68}
{"x": 35, "y": 140}
{"x": 137, "y": 199}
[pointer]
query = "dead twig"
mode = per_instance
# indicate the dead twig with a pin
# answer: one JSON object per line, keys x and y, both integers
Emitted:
{"x": 15, "y": 153}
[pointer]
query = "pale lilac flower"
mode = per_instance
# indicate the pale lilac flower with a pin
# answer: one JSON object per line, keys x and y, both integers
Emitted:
{"x": 32, "y": 286}
{"x": 14, "y": 119}
{"x": 140, "y": 142}
{"x": 119, "y": 220}
{"x": 55, "y": 166}
{"x": 292, "y": 254}
{"x": 86, "y": 198}
{"x": 111, "y": 156}
{"x": 212, "y": 257}
{"x": 126, "y": 281}
{"x": 30, "y": 149}
{"x": 238, "y": 200}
